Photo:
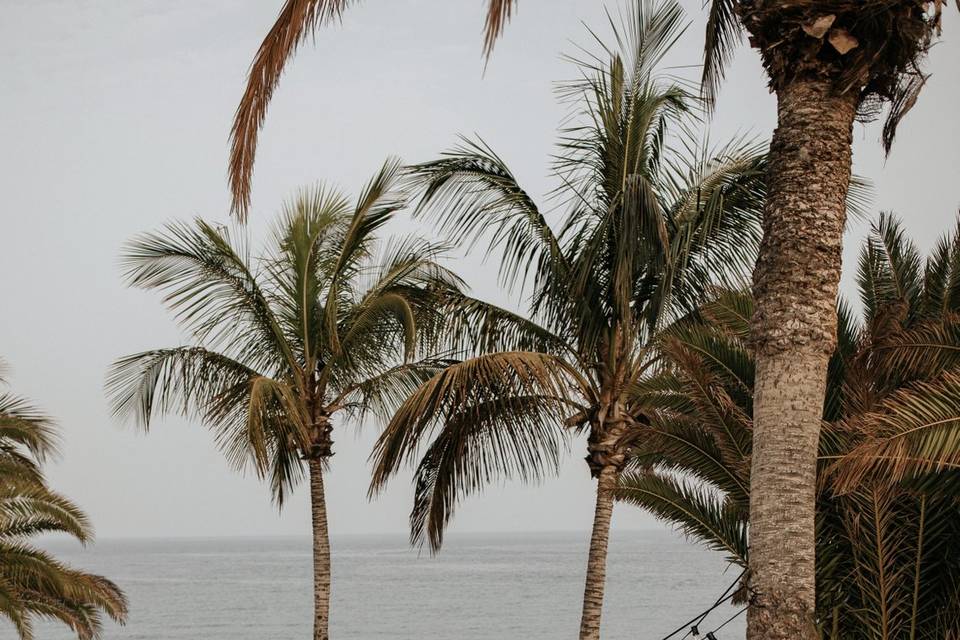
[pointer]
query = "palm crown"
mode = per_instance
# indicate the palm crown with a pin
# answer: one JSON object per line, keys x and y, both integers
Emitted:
{"x": 889, "y": 449}
{"x": 279, "y": 344}
{"x": 34, "y": 584}
{"x": 649, "y": 225}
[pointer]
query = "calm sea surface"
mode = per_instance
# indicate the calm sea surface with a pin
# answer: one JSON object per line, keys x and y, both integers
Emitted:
{"x": 502, "y": 586}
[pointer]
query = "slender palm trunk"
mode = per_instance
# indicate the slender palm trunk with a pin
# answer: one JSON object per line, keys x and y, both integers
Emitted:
{"x": 597, "y": 561}
{"x": 794, "y": 328}
{"x": 321, "y": 553}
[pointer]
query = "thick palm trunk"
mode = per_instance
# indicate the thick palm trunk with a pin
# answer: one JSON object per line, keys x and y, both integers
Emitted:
{"x": 597, "y": 561}
{"x": 794, "y": 328}
{"x": 321, "y": 553}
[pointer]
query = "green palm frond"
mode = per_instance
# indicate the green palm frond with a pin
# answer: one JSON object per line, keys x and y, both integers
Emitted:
{"x": 723, "y": 35}
{"x": 37, "y": 585}
{"x": 506, "y": 437}
{"x": 472, "y": 193}
{"x": 209, "y": 285}
{"x": 684, "y": 448}
{"x": 307, "y": 237}
{"x": 698, "y": 512}
{"x": 376, "y": 205}
{"x": 941, "y": 285}
{"x": 475, "y": 326}
{"x": 30, "y": 508}
{"x": 33, "y": 584}
{"x": 891, "y": 272}
{"x": 477, "y": 393}
{"x": 25, "y": 429}
{"x": 382, "y": 394}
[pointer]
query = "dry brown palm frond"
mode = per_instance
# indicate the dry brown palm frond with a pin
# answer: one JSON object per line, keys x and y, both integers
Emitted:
{"x": 914, "y": 432}
{"x": 296, "y": 21}
{"x": 499, "y": 13}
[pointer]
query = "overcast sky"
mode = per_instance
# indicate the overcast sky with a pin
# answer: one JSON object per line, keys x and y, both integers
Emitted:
{"x": 114, "y": 119}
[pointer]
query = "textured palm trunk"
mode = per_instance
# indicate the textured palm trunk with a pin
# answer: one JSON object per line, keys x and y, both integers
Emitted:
{"x": 597, "y": 560}
{"x": 794, "y": 328}
{"x": 321, "y": 553}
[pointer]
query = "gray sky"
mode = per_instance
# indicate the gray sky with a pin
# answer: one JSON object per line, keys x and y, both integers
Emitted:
{"x": 114, "y": 120}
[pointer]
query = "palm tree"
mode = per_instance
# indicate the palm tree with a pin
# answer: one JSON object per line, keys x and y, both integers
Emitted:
{"x": 317, "y": 330}
{"x": 889, "y": 449}
{"x": 34, "y": 584}
{"x": 829, "y": 62}
{"x": 652, "y": 220}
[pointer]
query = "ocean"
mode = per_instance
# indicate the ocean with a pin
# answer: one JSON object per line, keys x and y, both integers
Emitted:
{"x": 480, "y": 587}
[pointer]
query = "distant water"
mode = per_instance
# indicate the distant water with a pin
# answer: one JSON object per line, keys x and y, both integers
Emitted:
{"x": 480, "y": 587}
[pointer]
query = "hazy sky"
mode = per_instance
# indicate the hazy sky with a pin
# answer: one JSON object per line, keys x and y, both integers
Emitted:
{"x": 114, "y": 119}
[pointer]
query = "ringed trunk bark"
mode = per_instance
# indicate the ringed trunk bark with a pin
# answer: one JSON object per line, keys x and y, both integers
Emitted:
{"x": 597, "y": 560}
{"x": 321, "y": 553}
{"x": 794, "y": 333}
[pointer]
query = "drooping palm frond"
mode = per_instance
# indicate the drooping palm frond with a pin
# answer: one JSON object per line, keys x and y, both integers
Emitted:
{"x": 697, "y": 511}
{"x": 478, "y": 391}
{"x": 497, "y": 416}
{"x": 28, "y": 507}
{"x": 724, "y": 34}
{"x": 502, "y": 438}
{"x": 27, "y": 435}
{"x": 250, "y": 413}
{"x": 298, "y": 19}
{"x": 209, "y": 284}
{"x": 35, "y": 585}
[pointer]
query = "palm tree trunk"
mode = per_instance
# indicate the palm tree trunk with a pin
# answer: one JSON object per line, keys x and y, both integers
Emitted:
{"x": 321, "y": 553}
{"x": 794, "y": 329}
{"x": 597, "y": 560}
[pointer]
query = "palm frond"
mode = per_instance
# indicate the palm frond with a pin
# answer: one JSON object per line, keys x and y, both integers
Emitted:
{"x": 297, "y": 20}
{"x": 498, "y": 15}
{"x": 472, "y": 193}
{"x": 496, "y": 416}
{"x": 914, "y": 432}
{"x": 252, "y": 416}
{"x": 376, "y": 205}
{"x": 723, "y": 35}
{"x": 505, "y": 437}
{"x": 208, "y": 283}
{"x": 25, "y": 430}
{"x": 696, "y": 511}
{"x": 33, "y": 584}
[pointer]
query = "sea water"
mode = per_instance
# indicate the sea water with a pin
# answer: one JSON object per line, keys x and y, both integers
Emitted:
{"x": 479, "y": 587}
